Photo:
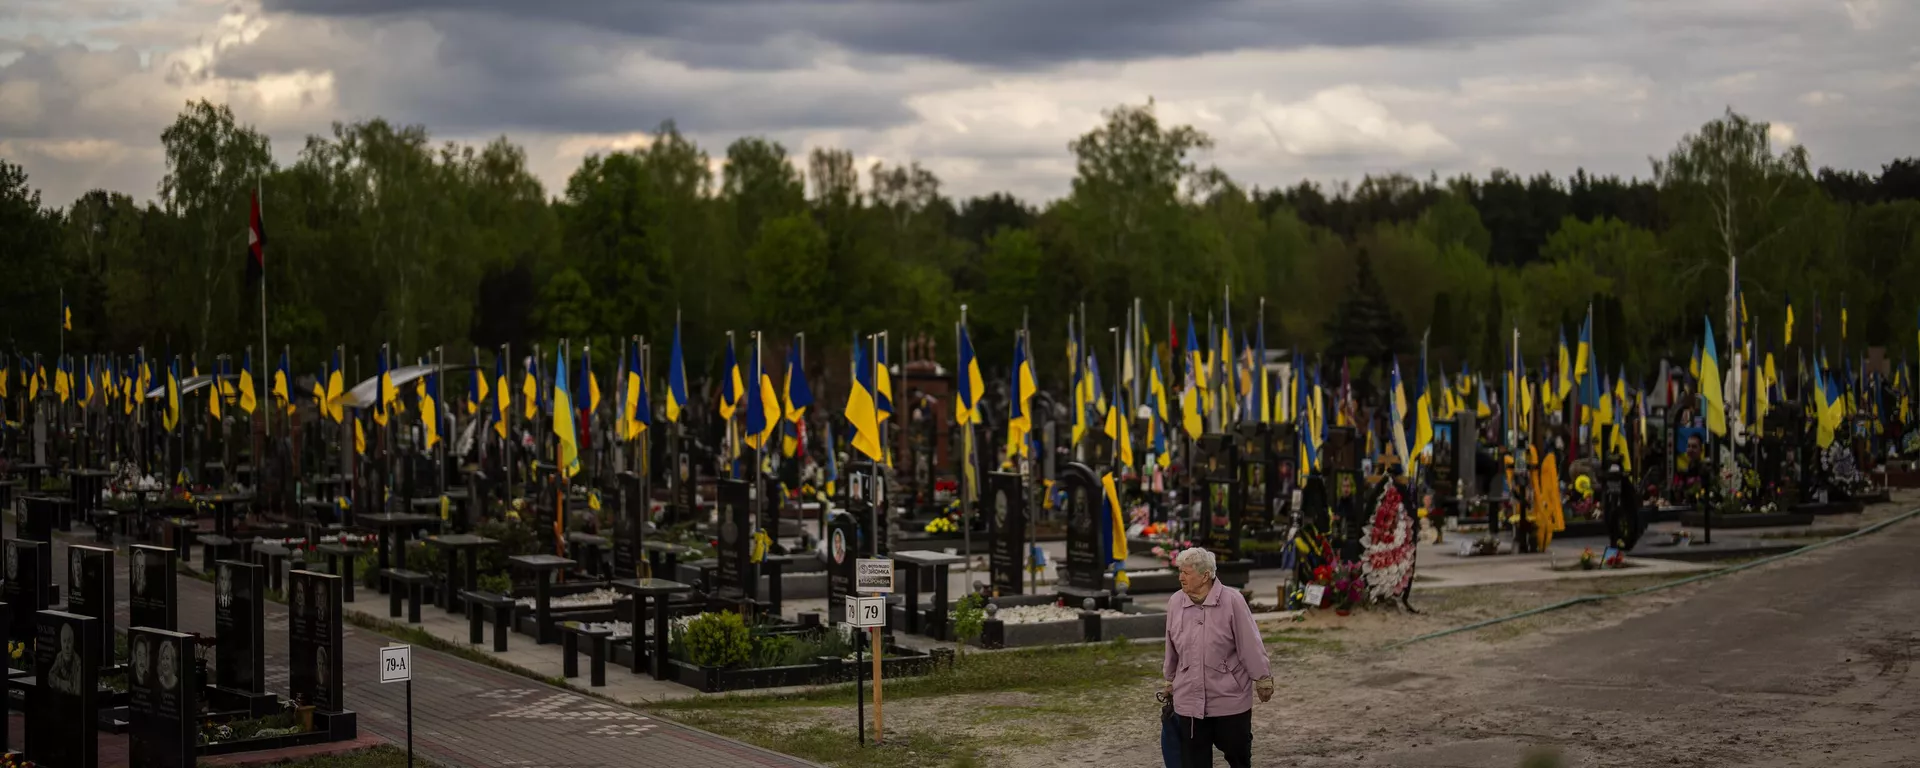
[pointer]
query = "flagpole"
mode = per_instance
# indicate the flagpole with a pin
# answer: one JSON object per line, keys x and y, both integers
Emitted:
{"x": 258, "y": 193}
{"x": 966, "y": 448}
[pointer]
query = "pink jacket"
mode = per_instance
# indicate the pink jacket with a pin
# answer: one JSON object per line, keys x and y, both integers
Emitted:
{"x": 1214, "y": 653}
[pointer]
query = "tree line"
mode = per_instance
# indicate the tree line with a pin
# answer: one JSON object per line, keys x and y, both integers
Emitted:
{"x": 376, "y": 233}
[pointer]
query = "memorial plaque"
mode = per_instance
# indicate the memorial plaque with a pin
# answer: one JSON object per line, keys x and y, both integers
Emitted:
{"x": 1215, "y": 457}
{"x": 1085, "y": 564}
{"x": 90, "y": 587}
{"x": 843, "y": 547}
{"x": 1466, "y": 455}
{"x": 315, "y": 639}
{"x": 1007, "y": 527}
{"x": 150, "y": 578}
{"x": 867, "y": 501}
{"x": 162, "y": 699}
{"x": 62, "y": 716}
{"x": 682, "y": 501}
{"x": 240, "y": 636}
{"x": 735, "y": 574}
{"x": 1443, "y": 466}
{"x": 28, "y": 585}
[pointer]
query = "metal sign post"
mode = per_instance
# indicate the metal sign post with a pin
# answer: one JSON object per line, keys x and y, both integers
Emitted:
{"x": 396, "y": 666}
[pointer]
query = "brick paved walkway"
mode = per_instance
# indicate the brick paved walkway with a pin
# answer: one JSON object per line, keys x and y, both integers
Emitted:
{"x": 468, "y": 715}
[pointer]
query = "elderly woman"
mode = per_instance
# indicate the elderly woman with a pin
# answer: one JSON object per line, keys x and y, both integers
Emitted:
{"x": 1215, "y": 665}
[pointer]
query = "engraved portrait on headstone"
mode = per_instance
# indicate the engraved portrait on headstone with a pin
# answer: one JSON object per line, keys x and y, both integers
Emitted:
{"x": 169, "y": 665}
{"x": 65, "y": 675}
{"x": 141, "y": 658}
{"x": 223, "y": 588}
{"x": 13, "y": 564}
{"x": 138, "y": 576}
{"x": 73, "y": 575}
{"x": 323, "y": 660}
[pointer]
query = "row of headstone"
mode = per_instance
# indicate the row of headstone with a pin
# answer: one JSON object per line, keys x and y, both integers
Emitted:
{"x": 858, "y": 532}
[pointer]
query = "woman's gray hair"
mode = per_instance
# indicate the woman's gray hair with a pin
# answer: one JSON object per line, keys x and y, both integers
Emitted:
{"x": 1199, "y": 559}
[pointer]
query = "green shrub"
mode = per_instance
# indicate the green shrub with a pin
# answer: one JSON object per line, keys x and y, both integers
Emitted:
{"x": 969, "y": 618}
{"x": 497, "y": 583}
{"x": 718, "y": 640}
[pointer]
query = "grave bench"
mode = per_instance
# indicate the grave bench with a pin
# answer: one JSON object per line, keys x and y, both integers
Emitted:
{"x": 213, "y": 548}
{"x": 343, "y": 560}
{"x": 177, "y": 532}
{"x": 501, "y": 607}
{"x": 413, "y": 583}
{"x": 105, "y": 523}
{"x": 272, "y": 557}
{"x": 599, "y": 644}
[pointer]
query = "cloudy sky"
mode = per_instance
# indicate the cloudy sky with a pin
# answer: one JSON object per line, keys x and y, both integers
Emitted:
{"x": 987, "y": 93}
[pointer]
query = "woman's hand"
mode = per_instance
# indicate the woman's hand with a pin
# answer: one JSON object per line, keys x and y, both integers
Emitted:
{"x": 1264, "y": 688}
{"x": 1165, "y": 694}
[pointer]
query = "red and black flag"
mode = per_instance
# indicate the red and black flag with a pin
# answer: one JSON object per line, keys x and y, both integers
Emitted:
{"x": 256, "y": 244}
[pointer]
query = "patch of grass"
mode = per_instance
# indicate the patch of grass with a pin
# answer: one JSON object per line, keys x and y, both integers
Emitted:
{"x": 382, "y": 756}
{"x": 838, "y": 744}
{"x": 1058, "y": 669}
{"x": 1294, "y": 640}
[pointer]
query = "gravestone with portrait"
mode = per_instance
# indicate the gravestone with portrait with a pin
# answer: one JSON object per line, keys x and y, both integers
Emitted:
{"x": 734, "y": 578}
{"x": 153, "y": 601}
{"x": 240, "y": 637}
{"x": 90, "y": 587}
{"x": 27, "y": 587}
{"x": 1220, "y": 494}
{"x": 162, "y": 699}
{"x": 315, "y": 640}
{"x": 682, "y": 497}
{"x": 867, "y": 501}
{"x": 843, "y": 547}
{"x": 1085, "y": 564}
{"x": 1007, "y": 529}
{"x": 62, "y": 718}
{"x": 1254, "y": 466}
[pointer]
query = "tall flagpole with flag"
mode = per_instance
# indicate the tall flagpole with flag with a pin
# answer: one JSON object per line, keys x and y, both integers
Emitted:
{"x": 257, "y": 267}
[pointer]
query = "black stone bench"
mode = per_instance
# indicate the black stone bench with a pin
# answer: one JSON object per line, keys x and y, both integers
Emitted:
{"x": 272, "y": 557}
{"x": 600, "y": 646}
{"x": 213, "y": 548}
{"x": 412, "y": 584}
{"x": 502, "y": 608}
{"x": 342, "y": 560}
{"x": 177, "y": 533}
{"x": 105, "y": 523}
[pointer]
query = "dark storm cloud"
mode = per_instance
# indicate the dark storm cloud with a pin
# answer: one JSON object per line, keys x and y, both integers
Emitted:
{"x": 1004, "y": 33}
{"x": 478, "y": 74}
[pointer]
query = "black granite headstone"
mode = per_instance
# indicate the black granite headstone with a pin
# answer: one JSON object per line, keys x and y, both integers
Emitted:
{"x": 629, "y": 525}
{"x": 1254, "y": 506}
{"x": 90, "y": 587}
{"x": 62, "y": 717}
{"x": 1085, "y": 566}
{"x": 1007, "y": 525}
{"x": 1466, "y": 455}
{"x": 240, "y": 637}
{"x": 315, "y": 639}
{"x": 735, "y": 574}
{"x": 28, "y": 586}
{"x": 162, "y": 699}
{"x": 867, "y": 501}
{"x": 1220, "y": 503}
{"x": 153, "y": 602}
{"x": 843, "y": 547}
{"x": 683, "y": 500}
{"x": 42, "y": 512}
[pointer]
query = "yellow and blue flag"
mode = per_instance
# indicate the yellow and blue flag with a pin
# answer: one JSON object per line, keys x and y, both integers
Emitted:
{"x": 861, "y": 409}
{"x": 1019, "y": 417}
{"x": 568, "y": 458}
{"x": 676, "y": 379}
{"x": 972, "y": 385}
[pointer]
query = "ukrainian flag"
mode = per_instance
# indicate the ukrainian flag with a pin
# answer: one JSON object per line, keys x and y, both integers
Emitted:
{"x": 971, "y": 383}
{"x": 860, "y": 407}
{"x": 1019, "y": 419}
{"x": 676, "y": 379}
{"x": 1710, "y": 385}
{"x": 569, "y": 457}
{"x": 731, "y": 389}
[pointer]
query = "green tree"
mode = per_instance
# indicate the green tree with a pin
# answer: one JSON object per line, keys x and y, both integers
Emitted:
{"x": 786, "y": 285}
{"x": 213, "y": 163}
